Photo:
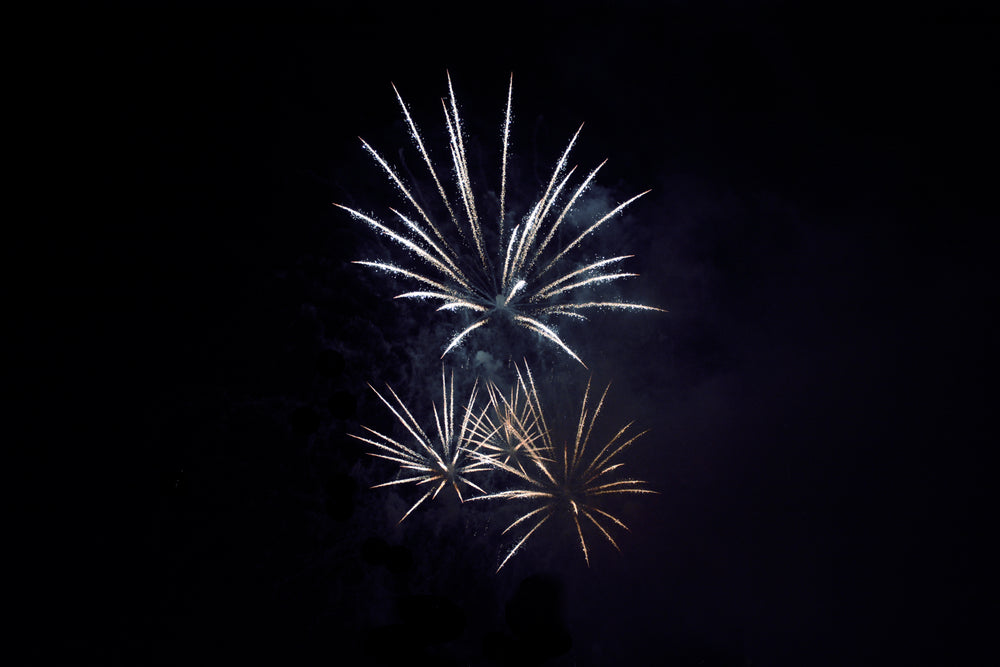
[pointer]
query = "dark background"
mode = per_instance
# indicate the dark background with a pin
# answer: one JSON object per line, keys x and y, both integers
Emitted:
{"x": 191, "y": 346}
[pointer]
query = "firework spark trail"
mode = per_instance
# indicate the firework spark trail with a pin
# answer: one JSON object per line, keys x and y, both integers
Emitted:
{"x": 571, "y": 482}
{"x": 427, "y": 159}
{"x": 504, "y": 280}
{"x": 503, "y": 161}
{"x": 446, "y": 459}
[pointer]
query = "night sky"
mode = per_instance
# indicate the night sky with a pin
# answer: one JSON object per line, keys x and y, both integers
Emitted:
{"x": 192, "y": 346}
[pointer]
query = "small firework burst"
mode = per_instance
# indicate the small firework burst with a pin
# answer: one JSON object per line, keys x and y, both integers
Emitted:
{"x": 439, "y": 461}
{"x": 513, "y": 274}
{"x": 509, "y": 433}
{"x": 565, "y": 479}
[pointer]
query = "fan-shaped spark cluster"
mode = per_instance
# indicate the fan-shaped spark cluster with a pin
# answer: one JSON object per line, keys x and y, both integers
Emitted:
{"x": 512, "y": 273}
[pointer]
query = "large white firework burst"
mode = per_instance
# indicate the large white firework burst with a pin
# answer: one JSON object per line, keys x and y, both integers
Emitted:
{"x": 566, "y": 479}
{"x": 435, "y": 461}
{"x": 516, "y": 273}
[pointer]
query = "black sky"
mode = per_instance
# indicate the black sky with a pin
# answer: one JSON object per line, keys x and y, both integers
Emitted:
{"x": 192, "y": 346}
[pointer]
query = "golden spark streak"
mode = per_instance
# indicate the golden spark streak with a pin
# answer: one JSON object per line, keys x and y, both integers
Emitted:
{"x": 523, "y": 540}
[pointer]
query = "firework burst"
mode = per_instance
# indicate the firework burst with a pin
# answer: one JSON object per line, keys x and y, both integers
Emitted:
{"x": 509, "y": 433}
{"x": 438, "y": 462}
{"x": 565, "y": 479}
{"x": 512, "y": 274}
